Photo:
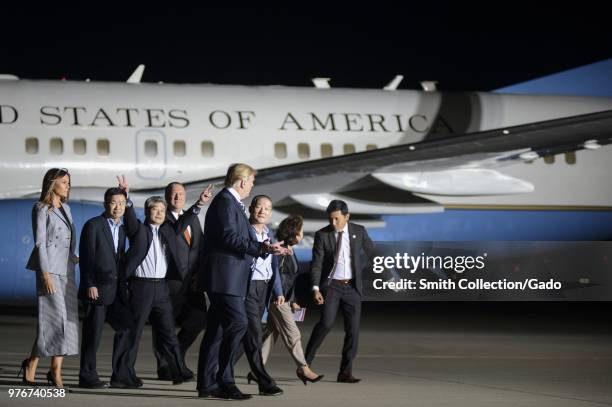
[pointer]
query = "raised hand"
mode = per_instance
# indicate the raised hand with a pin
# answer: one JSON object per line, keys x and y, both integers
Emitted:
{"x": 206, "y": 194}
{"x": 123, "y": 184}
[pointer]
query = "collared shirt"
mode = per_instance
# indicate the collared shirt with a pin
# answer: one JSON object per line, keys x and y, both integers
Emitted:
{"x": 176, "y": 216}
{"x": 342, "y": 268}
{"x": 114, "y": 227}
{"x": 155, "y": 263}
{"x": 262, "y": 267}
{"x": 237, "y": 196}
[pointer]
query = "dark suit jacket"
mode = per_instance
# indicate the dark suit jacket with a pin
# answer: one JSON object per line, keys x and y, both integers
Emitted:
{"x": 100, "y": 266}
{"x": 141, "y": 238}
{"x": 229, "y": 247}
{"x": 288, "y": 271}
{"x": 324, "y": 252}
{"x": 189, "y": 255}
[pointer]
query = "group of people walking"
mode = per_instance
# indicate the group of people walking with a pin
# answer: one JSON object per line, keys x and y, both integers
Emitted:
{"x": 163, "y": 277}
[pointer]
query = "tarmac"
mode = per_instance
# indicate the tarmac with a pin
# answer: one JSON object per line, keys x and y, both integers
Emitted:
{"x": 410, "y": 354}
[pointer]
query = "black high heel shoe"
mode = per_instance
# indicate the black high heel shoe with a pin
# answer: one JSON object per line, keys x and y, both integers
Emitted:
{"x": 24, "y": 368}
{"x": 51, "y": 380}
{"x": 251, "y": 378}
{"x": 300, "y": 374}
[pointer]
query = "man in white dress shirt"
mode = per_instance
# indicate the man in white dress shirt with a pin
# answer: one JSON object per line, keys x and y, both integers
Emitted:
{"x": 337, "y": 283}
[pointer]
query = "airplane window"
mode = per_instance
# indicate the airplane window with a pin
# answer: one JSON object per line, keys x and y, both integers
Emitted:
{"x": 31, "y": 145}
{"x": 280, "y": 150}
{"x": 349, "y": 148}
{"x": 56, "y": 146}
{"x": 103, "y": 146}
{"x": 208, "y": 149}
{"x": 303, "y": 150}
{"x": 150, "y": 148}
{"x": 371, "y": 147}
{"x": 327, "y": 150}
{"x": 80, "y": 146}
{"x": 570, "y": 157}
{"x": 180, "y": 149}
{"x": 549, "y": 159}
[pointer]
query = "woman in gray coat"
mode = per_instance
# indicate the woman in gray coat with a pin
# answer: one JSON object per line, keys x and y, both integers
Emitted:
{"x": 53, "y": 259}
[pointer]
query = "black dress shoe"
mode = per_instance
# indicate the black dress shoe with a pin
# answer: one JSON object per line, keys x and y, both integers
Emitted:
{"x": 185, "y": 377}
{"x": 232, "y": 393}
{"x": 116, "y": 384}
{"x": 137, "y": 381}
{"x": 164, "y": 374}
{"x": 98, "y": 384}
{"x": 347, "y": 378}
{"x": 271, "y": 391}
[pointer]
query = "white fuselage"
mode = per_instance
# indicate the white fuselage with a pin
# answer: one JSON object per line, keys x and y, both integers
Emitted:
{"x": 156, "y": 133}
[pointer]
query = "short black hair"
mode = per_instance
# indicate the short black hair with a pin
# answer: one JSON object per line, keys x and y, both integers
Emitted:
{"x": 257, "y": 198}
{"x": 337, "y": 205}
{"x": 169, "y": 189}
{"x": 108, "y": 195}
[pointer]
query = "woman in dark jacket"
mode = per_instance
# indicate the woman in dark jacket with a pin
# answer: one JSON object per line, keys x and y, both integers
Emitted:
{"x": 280, "y": 317}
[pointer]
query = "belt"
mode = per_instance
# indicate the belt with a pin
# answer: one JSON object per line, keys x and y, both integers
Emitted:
{"x": 342, "y": 281}
{"x": 151, "y": 280}
{"x": 265, "y": 281}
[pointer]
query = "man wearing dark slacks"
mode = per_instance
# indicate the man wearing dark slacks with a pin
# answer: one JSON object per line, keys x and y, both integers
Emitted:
{"x": 188, "y": 305}
{"x": 102, "y": 259}
{"x": 337, "y": 284}
{"x": 230, "y": 245}
{"x": 151, "y": 261}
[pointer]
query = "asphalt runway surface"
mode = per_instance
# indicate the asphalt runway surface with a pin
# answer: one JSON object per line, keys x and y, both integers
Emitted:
{"x": 410, "y": 354}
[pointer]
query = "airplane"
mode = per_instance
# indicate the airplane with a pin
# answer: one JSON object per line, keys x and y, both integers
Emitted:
{"x": 412, "y": 165}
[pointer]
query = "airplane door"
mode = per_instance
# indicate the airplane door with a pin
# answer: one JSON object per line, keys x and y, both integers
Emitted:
{"x": 150, "y": 154}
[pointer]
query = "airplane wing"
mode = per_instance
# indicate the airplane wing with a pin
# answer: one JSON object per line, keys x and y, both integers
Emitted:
{"x": 390, "y": 180}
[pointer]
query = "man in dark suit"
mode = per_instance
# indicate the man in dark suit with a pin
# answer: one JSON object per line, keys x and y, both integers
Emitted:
{"x": 230, "y": 244}
{"x": 102, "y": 256}
{"x": 336, "y": 279}
{"x": 188, "y": 305}
{"x": 151, "y": 260}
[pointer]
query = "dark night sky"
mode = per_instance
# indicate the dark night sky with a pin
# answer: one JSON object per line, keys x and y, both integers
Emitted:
{"x": 478, "y": 47}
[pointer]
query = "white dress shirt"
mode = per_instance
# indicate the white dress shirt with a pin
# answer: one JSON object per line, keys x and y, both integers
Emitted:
{"x": 342, "y": 268}
{"x": 155, "y": 263}
{"x": 177, "y": 215}
{"x": 262, "y": 266}
{"x": 237, "y": 196}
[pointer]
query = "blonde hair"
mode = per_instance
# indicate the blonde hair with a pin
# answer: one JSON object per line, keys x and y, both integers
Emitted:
{"x": 237, "y": 172}
{"x": 49, "y": 180}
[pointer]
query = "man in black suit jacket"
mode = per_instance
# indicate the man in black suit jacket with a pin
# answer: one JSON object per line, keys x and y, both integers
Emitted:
{"x": 102, "y": 257}
{"x": 151, "y": 260}
{"x": 188, "y": 305}
{"x": 230, "y": 244}
{"x": 336, "y": 273}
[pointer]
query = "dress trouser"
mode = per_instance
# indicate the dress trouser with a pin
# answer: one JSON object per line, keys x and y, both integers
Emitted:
{"x": 281, "y": 324}
{"x": 255, "y": 305}
{"x": 225, "y": 327}
{"x": 120, "y": 319}
{"x": 189, "y": 311}
{"x": 346, "y": 298}
{"x": 150, "y": 300}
